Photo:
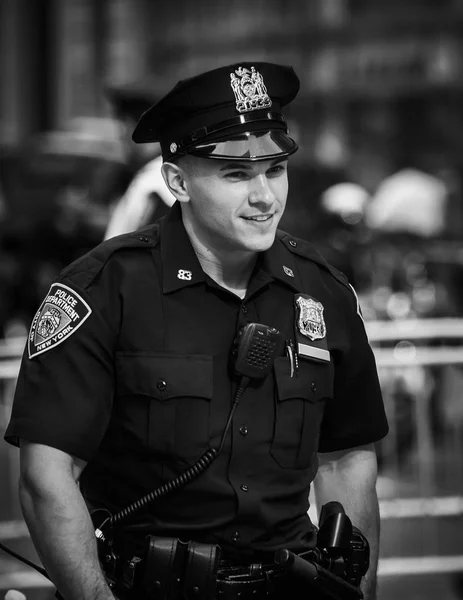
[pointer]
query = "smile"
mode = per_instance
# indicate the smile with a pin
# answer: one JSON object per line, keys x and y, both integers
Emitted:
{"x": 259, "y": 218}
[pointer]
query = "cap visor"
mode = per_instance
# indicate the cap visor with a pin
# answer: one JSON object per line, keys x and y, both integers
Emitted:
{"x": 256, "y": 145}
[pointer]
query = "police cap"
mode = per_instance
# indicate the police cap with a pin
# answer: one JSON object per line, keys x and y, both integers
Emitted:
{"x": 231, "y": 113}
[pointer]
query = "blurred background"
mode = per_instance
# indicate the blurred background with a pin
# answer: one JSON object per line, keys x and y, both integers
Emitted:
{"x": 377, "y": 183}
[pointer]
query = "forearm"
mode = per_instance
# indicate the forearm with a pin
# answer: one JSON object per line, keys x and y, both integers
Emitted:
{"x": 62, "y": 533}
{"x": 355, "y": 489}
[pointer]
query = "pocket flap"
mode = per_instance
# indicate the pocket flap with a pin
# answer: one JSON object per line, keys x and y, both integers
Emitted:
{"x": 313, "y": 381}
{"x": 165, "y": 376}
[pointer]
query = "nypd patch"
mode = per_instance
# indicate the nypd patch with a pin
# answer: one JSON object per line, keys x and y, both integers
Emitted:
{"x": 61, "y": 313}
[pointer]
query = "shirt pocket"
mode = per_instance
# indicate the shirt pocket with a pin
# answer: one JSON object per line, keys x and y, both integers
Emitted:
{"x": 176, "y": 391}
{"x": 299, "y": 406}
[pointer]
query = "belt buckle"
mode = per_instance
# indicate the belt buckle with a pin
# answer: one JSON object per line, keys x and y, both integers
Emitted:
{"x": 256, "y": 570}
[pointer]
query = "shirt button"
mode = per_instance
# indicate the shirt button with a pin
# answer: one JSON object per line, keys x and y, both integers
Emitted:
{"x": 292, "y": 243}
{"x": 161, "y": 385}
{"x": 143, "y": 238}
{"x": 244, "y": 308}
{"x": 313, "y": 386}
{"x": 244, "y": 487}
{"x": 235, "y": 537}
{"x": 244, "y": 430}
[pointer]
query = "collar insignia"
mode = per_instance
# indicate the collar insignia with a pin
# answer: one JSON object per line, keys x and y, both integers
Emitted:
{"x": 310, "y": 318}
{"x": 249, "y": 89}
{"x": 289, "y": 272}
{"x": 184, "y": 274}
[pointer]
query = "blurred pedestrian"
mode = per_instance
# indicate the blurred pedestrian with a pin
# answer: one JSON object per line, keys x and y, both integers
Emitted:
{"x": 145, "y": 197}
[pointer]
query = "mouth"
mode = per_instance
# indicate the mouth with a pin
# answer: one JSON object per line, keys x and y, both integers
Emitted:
{"x": 258, "y": 218}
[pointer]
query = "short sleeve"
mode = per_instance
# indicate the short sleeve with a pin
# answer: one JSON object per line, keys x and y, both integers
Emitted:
{"x": 64, "y": 390}
{"x": 355, "y": 416}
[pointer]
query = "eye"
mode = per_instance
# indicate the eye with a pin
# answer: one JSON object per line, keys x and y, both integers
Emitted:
{"x": 237, "y": 175}
{"x": 276, "y": 170}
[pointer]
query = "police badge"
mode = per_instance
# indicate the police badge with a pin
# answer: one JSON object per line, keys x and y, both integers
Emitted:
{"x": 310, "y": 324}
{"x": 249, "y": 89}
{"x": 310, "y": 318}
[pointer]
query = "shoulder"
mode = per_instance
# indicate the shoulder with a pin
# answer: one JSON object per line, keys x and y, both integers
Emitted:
{"x": 305, "y": 251}
{"x": 85, "y": 269}
{"x": 334, "y": 280}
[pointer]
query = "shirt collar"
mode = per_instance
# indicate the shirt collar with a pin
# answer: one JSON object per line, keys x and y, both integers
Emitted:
{"x": 181, "y": 267}
{"x": 281, "y": 264}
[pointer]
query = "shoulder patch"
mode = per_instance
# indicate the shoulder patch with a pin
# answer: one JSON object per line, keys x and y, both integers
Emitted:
{"x": 61, "y": 313}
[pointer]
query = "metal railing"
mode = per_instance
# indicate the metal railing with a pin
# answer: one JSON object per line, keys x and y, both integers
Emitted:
{"x": 420, "y": 487}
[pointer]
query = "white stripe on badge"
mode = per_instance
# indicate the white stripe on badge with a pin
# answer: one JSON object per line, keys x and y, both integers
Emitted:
{"x": 312, "y": 352}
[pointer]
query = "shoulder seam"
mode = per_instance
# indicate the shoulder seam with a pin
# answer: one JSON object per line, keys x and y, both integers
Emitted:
{"x": 306, "y": 250}
{"x": 98, "y": 257}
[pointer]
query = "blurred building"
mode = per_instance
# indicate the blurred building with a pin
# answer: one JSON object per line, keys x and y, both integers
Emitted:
{"x": 381, "y": 84}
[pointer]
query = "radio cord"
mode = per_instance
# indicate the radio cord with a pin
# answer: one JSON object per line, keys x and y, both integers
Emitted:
{"x": 187, "y": 476}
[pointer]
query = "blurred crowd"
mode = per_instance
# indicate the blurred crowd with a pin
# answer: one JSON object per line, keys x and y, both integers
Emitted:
{"x": 64, "y": 192}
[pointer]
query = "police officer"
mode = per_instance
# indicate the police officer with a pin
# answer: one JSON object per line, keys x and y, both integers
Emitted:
{"x": 131, "y": 372}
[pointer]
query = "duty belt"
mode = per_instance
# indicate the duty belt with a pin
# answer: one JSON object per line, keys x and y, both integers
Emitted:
{"x": 250, "y": 581}
{"x": 171, "y": 569}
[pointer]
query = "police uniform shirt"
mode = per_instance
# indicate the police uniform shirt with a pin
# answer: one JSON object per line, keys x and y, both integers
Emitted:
{"x": 141, "y": 382}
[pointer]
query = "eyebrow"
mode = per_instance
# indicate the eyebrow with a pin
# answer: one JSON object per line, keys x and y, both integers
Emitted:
{"x": 248, "y": 165}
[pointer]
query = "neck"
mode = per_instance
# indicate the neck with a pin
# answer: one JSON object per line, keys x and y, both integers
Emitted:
{"x": 230, "y": 269}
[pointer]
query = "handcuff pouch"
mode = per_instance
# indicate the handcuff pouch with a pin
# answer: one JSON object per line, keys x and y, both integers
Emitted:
{"x": 201, "y": 571}
{"x": 164, "y": 567}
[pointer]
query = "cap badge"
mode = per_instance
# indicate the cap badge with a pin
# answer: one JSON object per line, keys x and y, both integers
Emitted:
{"x": 173, "y": 147}
{"x": 249, "y": 89}
{"x": 310, "y": 318}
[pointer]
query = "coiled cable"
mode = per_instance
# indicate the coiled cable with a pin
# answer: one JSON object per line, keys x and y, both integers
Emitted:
{"x": 187, "y": 476}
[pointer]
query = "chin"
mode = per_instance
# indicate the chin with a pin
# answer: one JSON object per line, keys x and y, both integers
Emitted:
{"x": 260, "y": 244}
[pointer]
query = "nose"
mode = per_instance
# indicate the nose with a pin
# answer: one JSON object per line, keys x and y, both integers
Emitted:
{"x": 261, "y": 193}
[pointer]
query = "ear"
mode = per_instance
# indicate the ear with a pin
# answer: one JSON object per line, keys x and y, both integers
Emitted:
{"x": 174, "y": 176}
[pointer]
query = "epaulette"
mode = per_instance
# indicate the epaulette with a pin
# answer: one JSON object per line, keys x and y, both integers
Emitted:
{"x": 307, "y": 250}
{"x": 84, "y": 270}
